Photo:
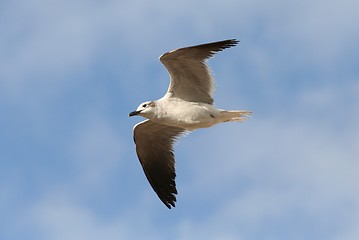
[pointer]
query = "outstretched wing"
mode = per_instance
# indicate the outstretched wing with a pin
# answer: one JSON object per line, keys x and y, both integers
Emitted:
{"x": 154, "y": 147}
{"x": 191, "y": 78}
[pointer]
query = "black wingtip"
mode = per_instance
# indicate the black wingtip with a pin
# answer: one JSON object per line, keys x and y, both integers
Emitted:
{"x": 170, "y": 201}
{"x": 232, "y": 41}
{"x": 170, "y": 205}
{"x": 227, "y": 43}
{"x": 215, "y": 47}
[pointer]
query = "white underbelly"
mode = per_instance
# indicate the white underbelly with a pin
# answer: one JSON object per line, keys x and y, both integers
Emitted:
{"x": 190, "y": 116}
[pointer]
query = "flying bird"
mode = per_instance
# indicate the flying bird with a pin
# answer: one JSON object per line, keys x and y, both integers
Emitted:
{"x": 186, "y": 106}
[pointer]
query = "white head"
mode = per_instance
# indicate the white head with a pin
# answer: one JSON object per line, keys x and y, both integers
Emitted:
{"x": 146, "y": 109}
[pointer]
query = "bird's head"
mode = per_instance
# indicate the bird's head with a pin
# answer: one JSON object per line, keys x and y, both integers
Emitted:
{"x": 146, "y": 109}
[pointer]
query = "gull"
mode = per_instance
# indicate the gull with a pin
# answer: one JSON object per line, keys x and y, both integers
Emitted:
{"x": 186, "y": 106}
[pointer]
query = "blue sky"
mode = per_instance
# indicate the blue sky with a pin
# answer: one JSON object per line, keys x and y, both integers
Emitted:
{"x": 71, "y": 71}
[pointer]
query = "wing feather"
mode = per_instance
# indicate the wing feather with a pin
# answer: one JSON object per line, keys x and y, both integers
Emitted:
{"x": 154, "y": 147}
{"x": 191, "y": 79}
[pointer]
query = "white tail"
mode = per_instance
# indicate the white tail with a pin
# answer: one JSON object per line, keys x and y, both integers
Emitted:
{"x": 234, "y": 115}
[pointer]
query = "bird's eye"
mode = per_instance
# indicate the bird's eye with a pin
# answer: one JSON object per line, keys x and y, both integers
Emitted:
{"x": 144, "y": 105}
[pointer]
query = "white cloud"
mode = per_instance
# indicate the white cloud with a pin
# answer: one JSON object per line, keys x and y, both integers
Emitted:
{"x": 97, "y": 151}
{"x": 59, "y": 219}
{"x": 293, "y": 176}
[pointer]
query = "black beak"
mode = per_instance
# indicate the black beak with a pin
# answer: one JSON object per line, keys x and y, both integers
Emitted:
{"x": 134, "y": 113}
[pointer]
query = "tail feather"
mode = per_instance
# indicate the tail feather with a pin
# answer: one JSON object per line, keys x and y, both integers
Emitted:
{"x": 234, "y": 115}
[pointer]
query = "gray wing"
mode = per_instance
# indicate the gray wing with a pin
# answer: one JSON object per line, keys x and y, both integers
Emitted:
{"x": 154, "y": 147}
{"x": 191, "y": 78}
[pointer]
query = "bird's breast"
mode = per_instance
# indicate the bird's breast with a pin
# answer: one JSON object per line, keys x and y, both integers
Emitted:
{"x": 188, "y": 115}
